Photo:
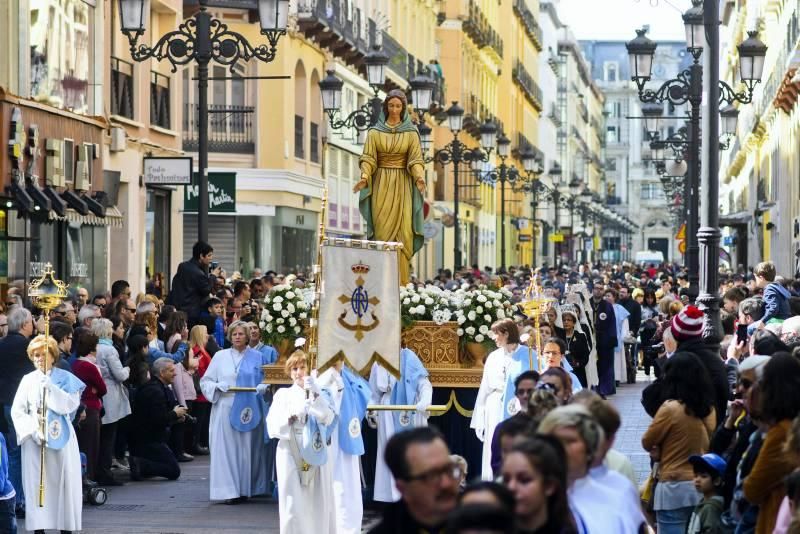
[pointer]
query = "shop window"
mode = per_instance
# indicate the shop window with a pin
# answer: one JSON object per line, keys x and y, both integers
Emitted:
{"x": 61, "y": 34}
{"x": 157, "y": 232}
{"x": 314, "y": 138}
{"x": 298, "y": 137}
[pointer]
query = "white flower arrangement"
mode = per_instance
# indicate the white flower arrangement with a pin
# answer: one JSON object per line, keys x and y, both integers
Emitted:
{"x": 428, "y": 303}
{"x": 475, "y": 310}
{"x": 285, "y": 309}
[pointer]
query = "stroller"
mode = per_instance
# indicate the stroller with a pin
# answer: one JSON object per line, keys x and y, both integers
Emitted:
{"x": 92, "y": 492}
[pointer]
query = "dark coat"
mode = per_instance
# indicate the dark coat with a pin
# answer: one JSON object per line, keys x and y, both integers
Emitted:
{"x": 709, "y": 355}
{"x": 605, "y": 322}
{"x": 191, "y": 286}
{"x": 153, "y": 413}
{"x": 635, "y": 318}
{"x": 14, "y": 363}
{"x": 397, "y": 520}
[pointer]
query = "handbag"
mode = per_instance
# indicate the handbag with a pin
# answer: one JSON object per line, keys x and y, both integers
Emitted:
{"x": 648, "y": 490}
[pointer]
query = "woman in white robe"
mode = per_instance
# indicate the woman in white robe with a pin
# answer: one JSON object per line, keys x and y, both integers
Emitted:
{"x": 501, "y": 368}
{"x": 305, "y": 491}
{"x": 63, "y": 497}
{"x": 346, "y": 467}
{"x": 238, "y": 458}
{"x": 382, "y": 384}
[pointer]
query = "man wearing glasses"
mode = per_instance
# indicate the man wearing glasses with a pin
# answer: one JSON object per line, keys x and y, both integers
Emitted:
{"x": 426, "y": 478}
{"x": 738, "y": 425}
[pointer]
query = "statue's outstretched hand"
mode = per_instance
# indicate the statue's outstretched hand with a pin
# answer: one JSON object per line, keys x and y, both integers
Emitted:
{"x": 361, "y": 184}
{"x": 420, "y": 183}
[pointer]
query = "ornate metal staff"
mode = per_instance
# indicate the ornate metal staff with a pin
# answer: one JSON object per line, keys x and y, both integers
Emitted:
{"x": 534, "y": 305}
{"x": 47, "y": 292}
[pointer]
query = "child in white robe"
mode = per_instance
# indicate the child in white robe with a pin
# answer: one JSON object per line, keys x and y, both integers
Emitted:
{"x": 305, "y": 491}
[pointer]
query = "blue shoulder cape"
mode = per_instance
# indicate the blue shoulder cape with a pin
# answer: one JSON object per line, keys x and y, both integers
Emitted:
{"x": 58, "y": 425}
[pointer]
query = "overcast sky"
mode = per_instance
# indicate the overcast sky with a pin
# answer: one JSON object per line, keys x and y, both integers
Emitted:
{"x": 618, "y": 19}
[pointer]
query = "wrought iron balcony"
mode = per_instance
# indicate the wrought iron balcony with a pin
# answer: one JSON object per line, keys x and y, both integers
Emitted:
{"x": 477, "y": 27}
{"x": 160, "y": 100}
{"x": 230, "y": 129}
{"x": 528, "y": 85}
{"x": 346, "y": 33}
{"x": 529, "y": 24}
{"x": 121, "y": 88}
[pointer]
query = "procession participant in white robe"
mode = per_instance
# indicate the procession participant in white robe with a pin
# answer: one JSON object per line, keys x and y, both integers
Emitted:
{"x": 553, "y": 350}
{"x": 237, "y": 434}
{"x": 300, "y": 418}
{"x": 63, "y": 497}
{"x": 579, "y": 297}
{"x": 351, "y": 395}
{"x": 496, "y": 400}
{"x": 412, "y": 388}
{"x": 621, "y": 314}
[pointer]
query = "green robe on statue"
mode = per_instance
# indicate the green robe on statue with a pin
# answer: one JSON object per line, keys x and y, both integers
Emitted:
{"x": 391, "y": 204}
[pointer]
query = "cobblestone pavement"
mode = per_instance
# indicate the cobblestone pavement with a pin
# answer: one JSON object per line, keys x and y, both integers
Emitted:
{"x": 182, "y": 507}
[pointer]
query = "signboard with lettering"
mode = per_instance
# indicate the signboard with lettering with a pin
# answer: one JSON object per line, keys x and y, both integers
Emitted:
{"x": 221, "y": 193}
{"x": 168, "y": 171}
{"x": 556, "y": 238}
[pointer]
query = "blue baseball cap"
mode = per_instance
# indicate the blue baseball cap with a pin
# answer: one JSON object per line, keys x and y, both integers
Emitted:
{"x": 712, "y": 462}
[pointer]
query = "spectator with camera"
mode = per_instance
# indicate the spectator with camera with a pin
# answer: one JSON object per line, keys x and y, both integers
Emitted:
{"x": 194, "y": 281}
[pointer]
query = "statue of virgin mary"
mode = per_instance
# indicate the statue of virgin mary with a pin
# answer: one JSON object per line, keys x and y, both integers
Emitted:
{"x": 392, "y": 181}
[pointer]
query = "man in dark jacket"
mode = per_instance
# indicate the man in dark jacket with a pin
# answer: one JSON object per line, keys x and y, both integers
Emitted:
{"x": 192, "y": 283}
{"x": 155, "y": 410}
{"x": 426, "y": 478}
{"x": 605, "y": 337}
{"x": 687, "y": 329}
{"x": 15, "y": 364}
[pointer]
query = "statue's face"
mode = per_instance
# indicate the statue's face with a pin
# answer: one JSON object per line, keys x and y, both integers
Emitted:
{"x": 395, "y": 107}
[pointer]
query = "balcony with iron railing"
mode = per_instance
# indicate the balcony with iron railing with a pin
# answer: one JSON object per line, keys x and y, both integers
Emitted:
{"x": 345, "y": 32}
{"x": 477, "y": 27}
{"x": 529, "y": 24}
{"x": 524, "y": 143}
{"x": 528, "y": 85}
{"x": 160, "y": 100}
{"x": 121, "y": 88}
{"x": 554, "y": 115}
{"x": 230, "y": 129}
{"x": 475, "y": 114}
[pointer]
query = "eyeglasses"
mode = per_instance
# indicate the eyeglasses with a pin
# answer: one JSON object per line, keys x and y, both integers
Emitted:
{"x": 433, "y": 476}
{"x": 745, "y": 383}
{"x": 131, "y": 310}
{"x": 549, "y": 387}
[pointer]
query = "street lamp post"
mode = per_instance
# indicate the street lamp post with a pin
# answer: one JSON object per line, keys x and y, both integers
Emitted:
{"x": 201, "y": 39}
{"x": 584, "y": 198}
{"x": 456, "y": 152}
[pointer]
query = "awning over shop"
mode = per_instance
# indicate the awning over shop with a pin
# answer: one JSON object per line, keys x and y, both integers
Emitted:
{"x": 113, "y": 218}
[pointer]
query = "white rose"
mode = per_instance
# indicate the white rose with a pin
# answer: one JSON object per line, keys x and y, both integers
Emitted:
{"x": 303, "y": 315}
{"x": 479, "y": 338}
{"x": 470, "y": 330}
{"x": 421, "y": 309}
{"x": 289, "y": 295}
{"x": 290, "y": 307}
{"x": 406, "y": 301}
{"x": 489, "y": 305}
{"x": 467, "y": 302}
{"x": 501, "y": 314}
{"x": 487, "y": 318}
{"x": 483, "y": 329}
{"x": 266, "y": 317}
{"x": 269, "y": 328}
{"x": 276, "y": 306}
{"x": 277, "y": 299}
{"x": 284, "y": 314}
{"x": 461, "y": 320}
{"x": 415, "y": 299}
{"x": 460, "y": 332}
{"x": 478, "y": 309}
{"x": 481, "y": 298}
{"x": 279, "y": 321}
{"x": 262, "y": 324}
{"x": 281, "y": 329}
{"x": 471, "y": 316}
{"x": 497, "y": 303}
{"x": 292, "y": 321}
{"x": 296, "y": 329}
{"x": 428, "y": 301}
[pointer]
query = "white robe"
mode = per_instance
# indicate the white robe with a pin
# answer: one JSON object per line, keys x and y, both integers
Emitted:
{"x": 301, "y": 508}
{"x": 63, "y": 497}
{"x": 488, "y": 411}
{"x": 381, "y": 383}
{"x": 238, "y": 459}
{"x": 346, "y": 467}
{"x": 620, "y": 367}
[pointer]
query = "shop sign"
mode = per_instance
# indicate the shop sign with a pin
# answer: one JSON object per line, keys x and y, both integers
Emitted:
{"x": 168, "y": 171}
{"x": 556, "y": 238}
{"x": 430, "y": 229}
{"x": 524, "y": 238}
{"x": 79, "y": 270}
{"x": 221, "y": 193}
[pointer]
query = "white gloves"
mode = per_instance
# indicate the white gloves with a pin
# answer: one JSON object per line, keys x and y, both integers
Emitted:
{"x": 372, "y": 419}
{"x": 422, "y": 407}
{"x": 262, "y": 389}
{"x": 310, "y": 384}
{"x": 38, "y": 437}
{"x": 223, "y": 387}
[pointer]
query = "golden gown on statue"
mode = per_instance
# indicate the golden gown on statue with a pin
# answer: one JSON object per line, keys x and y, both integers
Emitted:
{"x": 391, "y": 163}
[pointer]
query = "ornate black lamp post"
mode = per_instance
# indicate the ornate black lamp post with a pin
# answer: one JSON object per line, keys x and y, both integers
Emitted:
{"x": 203, "y": 38}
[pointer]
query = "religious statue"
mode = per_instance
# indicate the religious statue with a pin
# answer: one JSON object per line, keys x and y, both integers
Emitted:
{"x": 392, "y": 183}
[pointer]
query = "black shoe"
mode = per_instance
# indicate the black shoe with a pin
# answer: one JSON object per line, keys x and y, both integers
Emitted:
{"x": 237, "y": 500}
{"x": 185, "y": 458}
{"x": 200, "y": 451}
{"x": 136, "y": 472}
